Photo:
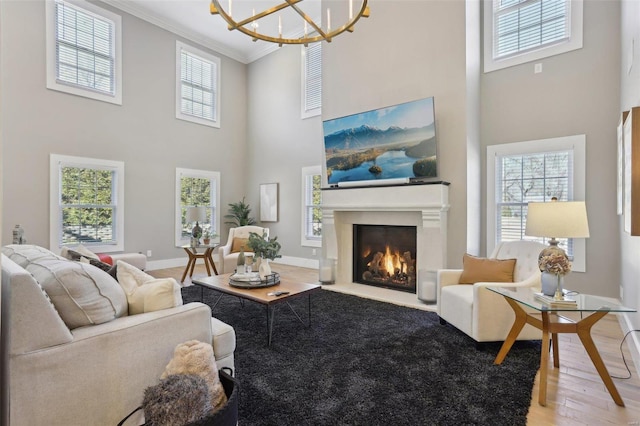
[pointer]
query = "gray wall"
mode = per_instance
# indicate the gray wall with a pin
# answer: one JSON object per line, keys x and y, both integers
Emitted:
{"x": 143, "y": 132}
{"x": 629, "y": 97}
{"x": 410, "y": 50}
{"x": 577, "y": 93}
{"x": 280, "y": 143}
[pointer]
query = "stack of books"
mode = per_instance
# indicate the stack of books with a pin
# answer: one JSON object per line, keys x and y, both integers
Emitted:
{"x": 549, "y": 300}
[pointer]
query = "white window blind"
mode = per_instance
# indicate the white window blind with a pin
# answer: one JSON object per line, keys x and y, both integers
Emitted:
{"x": 85, "y": 49}
{"x": 312, "y": 80}
{"x": 524, "y": 178}
{"x": 198, "y": 92}
{"x": 197, "y": 86}
{"x": 524, "y": 25}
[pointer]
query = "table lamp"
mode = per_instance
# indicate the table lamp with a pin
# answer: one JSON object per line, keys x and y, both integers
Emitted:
{"x": 557, "y": 219}
{"x": 196, "y": 214}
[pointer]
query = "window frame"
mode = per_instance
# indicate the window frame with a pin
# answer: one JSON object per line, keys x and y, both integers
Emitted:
{"x": 491, "y": 63}
{"x": 575, "y": 143}
{"x": 201, "y": 174}
{"x": 56, "y": 162}
{"x": 305, "y": 111}
{"x": 51, "y": 57}
{"x": 306, "y": 240}
{"x": 206, "y": 57}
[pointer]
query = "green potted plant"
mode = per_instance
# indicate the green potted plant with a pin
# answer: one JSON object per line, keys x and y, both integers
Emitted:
{"x": 207, "y": 235}
{"x": 265, "y": 249}
{"x": 239, "y": 213}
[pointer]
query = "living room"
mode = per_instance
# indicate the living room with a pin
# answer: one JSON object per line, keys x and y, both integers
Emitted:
{"x": 406, "y": 50}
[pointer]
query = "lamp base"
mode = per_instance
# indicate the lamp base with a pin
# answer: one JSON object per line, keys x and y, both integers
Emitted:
{"x": 196, "y": 231}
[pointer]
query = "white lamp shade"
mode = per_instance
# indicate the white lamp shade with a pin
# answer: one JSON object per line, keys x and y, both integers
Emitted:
{"x": 557, "y": 219}
{"x": 196, "y": 214}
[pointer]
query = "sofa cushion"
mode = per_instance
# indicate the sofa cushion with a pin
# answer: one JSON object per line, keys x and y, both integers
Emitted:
{"x": 23, "y": 254}
{"x": 79, "y": 257}
{"x": 479, "y": 269}
{"x": 86, "y": 252}
{"x": 82, "y": 294}
{"x": 146, "y": 293}
{"x": 239, "y": 244}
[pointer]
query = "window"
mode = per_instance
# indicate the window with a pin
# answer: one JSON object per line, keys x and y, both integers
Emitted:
{"x": 312, "y": 210}
{"x": 87, "y": 203}
{"x": 196, "y": 188}
{"x": 518, "y": 173}
{"x": 197, "y": 86}
{"x": 519, "y": 31}
{"x": 311, "y": 80}
{"x": 84, "y": 50}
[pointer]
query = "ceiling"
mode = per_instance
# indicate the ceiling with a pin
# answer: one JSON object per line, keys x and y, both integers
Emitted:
{"x": 191, "y": 19}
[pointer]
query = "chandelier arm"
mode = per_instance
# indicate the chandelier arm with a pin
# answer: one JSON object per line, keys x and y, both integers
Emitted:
{"x": 308, "y": 19}
{"x": 240, "y": 26}
{"x": 266, "y": 12}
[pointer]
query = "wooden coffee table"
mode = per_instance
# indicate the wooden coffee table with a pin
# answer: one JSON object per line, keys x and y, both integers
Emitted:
{"x": 220, "y": 283}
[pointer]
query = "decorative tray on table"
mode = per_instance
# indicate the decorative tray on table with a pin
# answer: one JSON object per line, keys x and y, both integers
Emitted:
{"x": 252, "y": 280}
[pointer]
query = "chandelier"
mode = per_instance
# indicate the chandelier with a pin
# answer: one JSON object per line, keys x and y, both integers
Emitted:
{"x": 268, "y": 24}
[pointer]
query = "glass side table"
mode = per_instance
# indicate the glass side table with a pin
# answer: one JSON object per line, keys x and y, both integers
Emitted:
{"x": 193, "y": 254}
{"x": 546, "y": 318}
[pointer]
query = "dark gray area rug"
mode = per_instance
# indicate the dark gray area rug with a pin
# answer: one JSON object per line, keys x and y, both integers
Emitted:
{"x": 364, "y": 362}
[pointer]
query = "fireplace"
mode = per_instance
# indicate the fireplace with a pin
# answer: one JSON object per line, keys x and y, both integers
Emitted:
{"x": 385, "y": 256}
{"x": 423, "y": 206}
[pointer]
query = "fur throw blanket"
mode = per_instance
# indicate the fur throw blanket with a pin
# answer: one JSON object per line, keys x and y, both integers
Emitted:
{"x": 195, "y": 357}
{"x": 178, "y": 400}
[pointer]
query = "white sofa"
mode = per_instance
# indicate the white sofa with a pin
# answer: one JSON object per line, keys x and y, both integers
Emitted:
{"x": 94, "y": 374}
{"x": 480, "y": 313}
{"x": 229, "y": 258}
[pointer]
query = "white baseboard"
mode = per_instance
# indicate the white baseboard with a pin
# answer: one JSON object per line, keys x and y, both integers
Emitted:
{"x": 182, "y": 262}
{"x": 166, "y": 263}
{"x": 300, "y": 262}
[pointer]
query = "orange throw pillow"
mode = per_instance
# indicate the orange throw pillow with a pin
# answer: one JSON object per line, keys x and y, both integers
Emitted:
{"x": 480, "y": 269}
{"x": 239, "y": 244}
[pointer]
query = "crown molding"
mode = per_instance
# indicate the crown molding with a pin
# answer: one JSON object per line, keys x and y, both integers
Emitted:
{"x": 180, "y": 30}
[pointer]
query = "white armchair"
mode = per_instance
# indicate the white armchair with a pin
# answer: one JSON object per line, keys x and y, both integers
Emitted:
{"x": 480, "y": 313}
{"x": 228, "y": 254}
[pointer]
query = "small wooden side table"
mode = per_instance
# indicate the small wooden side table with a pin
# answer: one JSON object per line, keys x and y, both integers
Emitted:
{"x": 193, "y": 254}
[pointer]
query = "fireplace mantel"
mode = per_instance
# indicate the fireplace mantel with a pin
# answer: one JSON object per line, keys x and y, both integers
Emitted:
{"x": 422, "y": 205}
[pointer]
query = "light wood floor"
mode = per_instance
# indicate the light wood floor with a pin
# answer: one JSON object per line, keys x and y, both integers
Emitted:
{"x": 575, "y": 392}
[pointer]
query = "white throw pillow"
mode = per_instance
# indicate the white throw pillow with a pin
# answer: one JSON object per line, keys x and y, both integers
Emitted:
{"x": 86, "y": 252}
{"x": 82, "y": 294}
{"x": 146, "y": 293}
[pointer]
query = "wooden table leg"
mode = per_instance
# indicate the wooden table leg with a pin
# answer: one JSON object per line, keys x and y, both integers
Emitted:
{"x": 208, "y": 256}
{"x": 556, "y": 350}
{"x": 583, "y": 329}
{"x": 544, "y": 360}
{"x": 516, "y": 328}
{"x": 190, "y": 264}
{"x": 206, "y": 262}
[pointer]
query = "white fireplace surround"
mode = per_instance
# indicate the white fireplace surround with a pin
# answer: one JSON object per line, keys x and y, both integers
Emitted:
{"x": 424, "y": 206}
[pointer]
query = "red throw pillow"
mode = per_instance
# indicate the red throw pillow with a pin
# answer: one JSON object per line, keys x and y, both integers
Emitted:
{"x": 105, "y": 258}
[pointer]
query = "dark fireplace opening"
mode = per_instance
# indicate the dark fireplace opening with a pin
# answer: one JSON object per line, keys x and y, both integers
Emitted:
{"x": 385, "y": 256}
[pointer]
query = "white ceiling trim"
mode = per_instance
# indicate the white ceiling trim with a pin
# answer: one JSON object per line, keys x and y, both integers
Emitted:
{"x": 180, "y": 30}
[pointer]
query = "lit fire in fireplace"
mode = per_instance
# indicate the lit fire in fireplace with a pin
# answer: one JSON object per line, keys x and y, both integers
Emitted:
{"x": 389, "y": 267}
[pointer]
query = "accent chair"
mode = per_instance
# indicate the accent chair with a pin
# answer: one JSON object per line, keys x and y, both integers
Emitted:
{"x": 238, "y": 237}
{"x": 480, "y": 313}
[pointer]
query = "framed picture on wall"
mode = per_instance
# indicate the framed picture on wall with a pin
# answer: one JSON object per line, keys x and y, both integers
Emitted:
{"x": 268, "y": 202}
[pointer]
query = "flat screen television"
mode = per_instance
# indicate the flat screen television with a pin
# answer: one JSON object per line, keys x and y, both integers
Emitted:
{"x": 392, "y": 143}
